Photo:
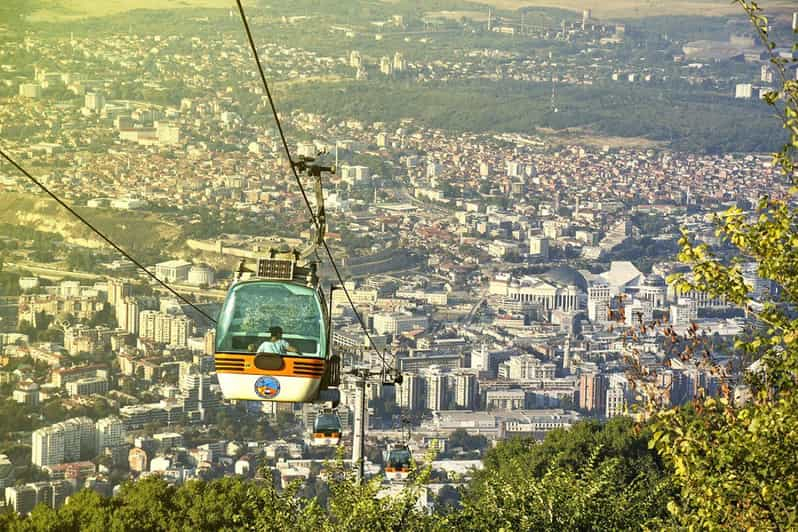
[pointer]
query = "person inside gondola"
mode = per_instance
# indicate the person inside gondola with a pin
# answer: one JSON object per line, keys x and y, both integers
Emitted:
{"x": 276, "y": 344}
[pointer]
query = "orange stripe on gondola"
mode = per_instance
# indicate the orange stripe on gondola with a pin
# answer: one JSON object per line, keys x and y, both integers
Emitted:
{"x": 244, "y": 364}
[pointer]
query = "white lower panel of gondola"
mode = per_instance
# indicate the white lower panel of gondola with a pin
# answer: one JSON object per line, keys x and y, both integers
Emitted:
{"x": 324, "y": 442}
{"x": 269, "y": 388}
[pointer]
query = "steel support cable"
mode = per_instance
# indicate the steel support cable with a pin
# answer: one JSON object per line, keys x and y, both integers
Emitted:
{"x": 102, "y": 235}
{"x": 313, "y": 216}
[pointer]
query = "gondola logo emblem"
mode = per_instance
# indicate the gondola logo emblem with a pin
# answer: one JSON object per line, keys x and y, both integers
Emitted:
{"x": 267, "y": 387}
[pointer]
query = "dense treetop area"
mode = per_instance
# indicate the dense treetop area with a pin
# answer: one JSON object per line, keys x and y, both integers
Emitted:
{"x": 593, "y": 477}
{"x": 689, "y": 122}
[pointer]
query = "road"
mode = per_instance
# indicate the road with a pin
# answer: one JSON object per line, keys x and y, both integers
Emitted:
{"x": 483, "y": 297}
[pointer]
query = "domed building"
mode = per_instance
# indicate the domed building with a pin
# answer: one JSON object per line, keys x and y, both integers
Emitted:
{"x": 201, "y": 274}
{"x": 561, "y": 288}
{"x": 653, "y": 289}
{"x": 566, "y": 276}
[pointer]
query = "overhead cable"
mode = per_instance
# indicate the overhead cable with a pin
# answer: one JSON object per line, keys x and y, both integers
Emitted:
{"x": 102, "y": 235}
{"x": 313, "y": 217}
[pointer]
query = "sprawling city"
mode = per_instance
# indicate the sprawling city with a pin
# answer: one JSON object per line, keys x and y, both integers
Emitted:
{"x": 507, "y": 188}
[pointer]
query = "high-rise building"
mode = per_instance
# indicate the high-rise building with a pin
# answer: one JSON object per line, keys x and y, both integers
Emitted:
{"x": 480, "y": 359}
{"x": 598, "y": 302}
{"x": 210, "y": 342}
{"x": 47, "y": 446}
{"x": 127, "y": 315}
{"x": 196, "y": 392}
{"x": 68, "y": 441}
{"x": 110, "y": 432}
{"x": 592, "y": 393}
{"x": 61, "y": 489}
{"x": 181, "y": 328}
{"x": 410, "y": 394}
{"x": 761, "y": 289}
{"x": 538, "y": 246}
{"x": 21, "y": 498}
{"x": 117, "y": 292}
{"x": 466, "y": 390}
{"x": 79, "y": 440}
{"x": 147, "y": 324}
{"x": 437, "y": 398}
{"x": 616, "y": 401}
{"x": 44, "y": 493}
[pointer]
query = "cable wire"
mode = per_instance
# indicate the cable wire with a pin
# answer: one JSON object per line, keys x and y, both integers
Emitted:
{"x": 313, "y": 217}
{"x": 101, "y": 235}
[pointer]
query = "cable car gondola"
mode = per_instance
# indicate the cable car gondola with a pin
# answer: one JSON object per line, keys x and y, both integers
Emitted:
{"x": 273, "y": 332}
{"x": 326, "y": 430}
{"x": 397, "y": 462}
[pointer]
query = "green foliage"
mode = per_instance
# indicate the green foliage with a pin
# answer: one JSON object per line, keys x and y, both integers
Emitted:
{"x": 9, "y": 284}
{"x": 13, "y": 418}
{"x": 690, "y": 122}
{"x": 461, "y": 438}
{"x": 591, "y": 476}
{"x": 228, "y": 504}
{"x": 593, "y": 497}
{"x": 568, "y": 449}
{"x": 734, "y": 464}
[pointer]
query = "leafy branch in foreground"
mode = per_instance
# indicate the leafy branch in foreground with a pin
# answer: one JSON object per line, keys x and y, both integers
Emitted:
{"x": 735, "y": 461}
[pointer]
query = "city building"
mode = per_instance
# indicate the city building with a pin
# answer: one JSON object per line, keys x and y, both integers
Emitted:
{"x": 26, "y": 393}
{"x": 436, "y": 389}
{"x": 398, "y": 322}
{"x": 593, "y": 393}
{"x": 138, "y": 460}
{"x": 110, "y": 432}
{"x": 87, "y": 386}
{"x": 684, "y": 312}
{"x": 616, "y": 401}
{"x": 173, "y": 271}
{"x": 410, "y": 393}
{"x": 743, "y": 91}
{"x": 67, "y": 441}
{"x": 21, "y": 499}
{"x": 598, "y": 301}
{"x": 466, "y": 390}
{"x": 201, "y": 275}
{"x": 562, "y": 288}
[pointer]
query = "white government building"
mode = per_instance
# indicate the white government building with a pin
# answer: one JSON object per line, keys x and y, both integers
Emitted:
{"x": 561, "y": 288}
